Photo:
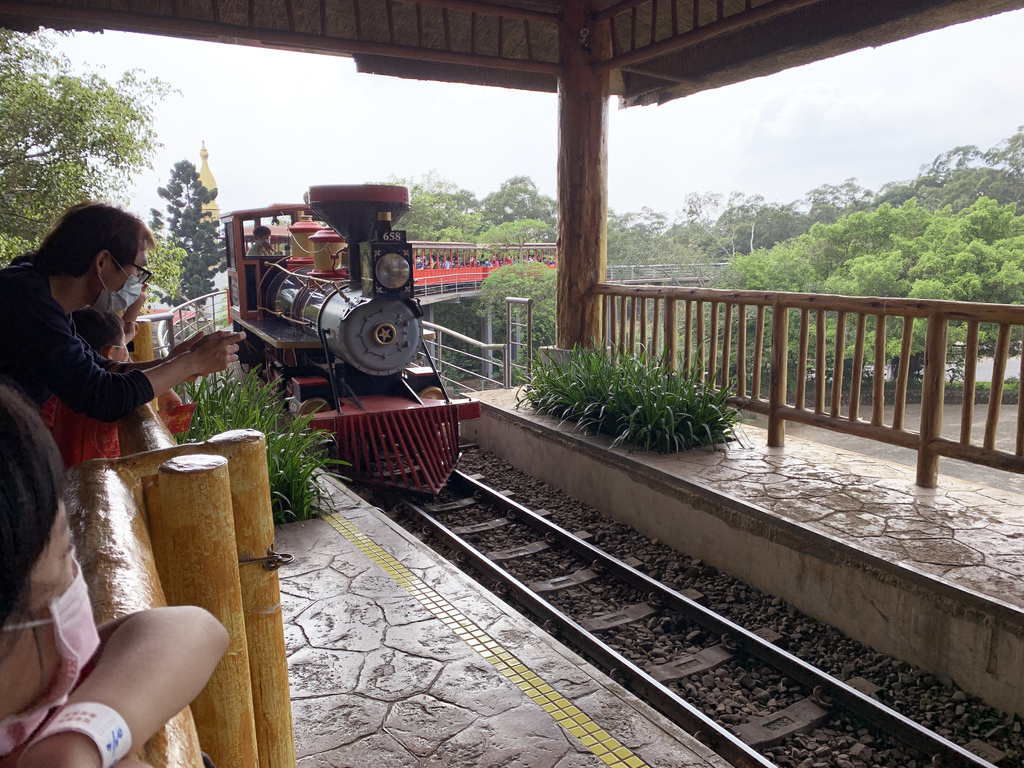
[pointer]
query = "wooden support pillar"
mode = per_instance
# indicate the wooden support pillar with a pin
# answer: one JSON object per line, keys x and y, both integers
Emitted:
{"x": 582, "y": 175}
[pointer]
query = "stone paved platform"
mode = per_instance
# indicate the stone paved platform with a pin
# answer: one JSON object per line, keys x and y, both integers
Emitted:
{"x": 968, "y": 535}
{"x": 396, "y": 658}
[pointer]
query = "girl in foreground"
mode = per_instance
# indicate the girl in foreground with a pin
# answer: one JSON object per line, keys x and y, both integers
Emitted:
{"x": 73, "y": 695}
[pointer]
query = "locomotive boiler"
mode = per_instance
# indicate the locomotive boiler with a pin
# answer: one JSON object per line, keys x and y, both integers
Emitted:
{"x": 338, "y": 326}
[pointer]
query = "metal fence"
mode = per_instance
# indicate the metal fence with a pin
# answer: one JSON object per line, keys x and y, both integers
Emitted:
{"x": 205, "y": 313}
{"x": 472, "y": 366}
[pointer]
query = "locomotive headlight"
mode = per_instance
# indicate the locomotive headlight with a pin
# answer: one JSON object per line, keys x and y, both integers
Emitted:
{"x": 392, "y": 271}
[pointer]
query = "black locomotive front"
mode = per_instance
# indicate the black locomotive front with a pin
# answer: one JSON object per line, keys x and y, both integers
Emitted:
{"x": 346, "y": 344}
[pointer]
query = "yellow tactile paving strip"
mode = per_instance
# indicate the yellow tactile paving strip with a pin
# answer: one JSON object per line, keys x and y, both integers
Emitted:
{"x": 592, "y": 736}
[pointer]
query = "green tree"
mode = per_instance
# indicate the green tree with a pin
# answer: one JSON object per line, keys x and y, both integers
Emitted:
{"x": 189, "y": 228}
{"x": 517, "y": 199}
{"x": 516, "y": 234}
{"x": 64, "y": 138}
{"x": 531, "y": 280}
{"x": 441, "y": 211}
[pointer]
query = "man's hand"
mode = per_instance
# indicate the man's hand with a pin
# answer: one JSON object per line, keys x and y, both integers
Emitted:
{"x": 215, "y": 352}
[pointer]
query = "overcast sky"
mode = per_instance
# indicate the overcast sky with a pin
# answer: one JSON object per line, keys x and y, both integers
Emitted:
{"x": 277, "y": 122}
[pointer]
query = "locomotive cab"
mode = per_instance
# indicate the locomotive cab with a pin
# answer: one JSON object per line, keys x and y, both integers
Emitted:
{"x": 347, "y": 344}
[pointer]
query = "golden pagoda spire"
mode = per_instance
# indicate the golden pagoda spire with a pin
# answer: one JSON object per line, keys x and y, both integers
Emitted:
{"x": 211, "y": 209}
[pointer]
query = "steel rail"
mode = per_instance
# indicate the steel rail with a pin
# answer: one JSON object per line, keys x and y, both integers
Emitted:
{"x": 903, "y": 728}
{"x": 620, "y": 669}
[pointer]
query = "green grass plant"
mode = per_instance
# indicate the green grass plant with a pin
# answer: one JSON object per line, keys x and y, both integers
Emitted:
{"x": 637, "y": 400}
{"x": 296, "y": 454}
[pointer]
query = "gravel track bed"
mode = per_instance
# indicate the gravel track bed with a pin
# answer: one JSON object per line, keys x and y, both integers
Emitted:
{"x": 745, "y": 687}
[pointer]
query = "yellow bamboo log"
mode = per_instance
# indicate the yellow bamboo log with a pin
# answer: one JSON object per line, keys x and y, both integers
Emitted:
{"x": 142, "y": 346}
{"x": 970, "y": 378}
{"x": 199, "y": 529}
{"x": 622, "y": 323}
{"x": 931, "y": 401}
{"x": 261, "y": 595}
{"x": 143, "y": 430}
{"x": 113, "y": 547}
{"x": 878, "y": 375}
{"x": 857, "y": 428}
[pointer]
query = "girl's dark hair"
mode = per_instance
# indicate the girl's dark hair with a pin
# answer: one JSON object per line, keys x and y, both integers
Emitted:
{"x": 86, "y": 229}
{"x": 31, "y": 468}
{"x": 99, "y": 327}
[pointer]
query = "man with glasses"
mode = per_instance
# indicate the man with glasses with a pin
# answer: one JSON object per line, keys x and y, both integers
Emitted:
{"x": 94, "y": 255}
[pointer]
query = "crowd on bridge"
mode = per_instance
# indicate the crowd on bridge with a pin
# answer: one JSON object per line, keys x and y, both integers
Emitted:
{"x": 472, "y": 262}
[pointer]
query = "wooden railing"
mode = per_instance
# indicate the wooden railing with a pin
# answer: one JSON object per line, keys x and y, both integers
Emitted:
{"x": 741, "y": 340}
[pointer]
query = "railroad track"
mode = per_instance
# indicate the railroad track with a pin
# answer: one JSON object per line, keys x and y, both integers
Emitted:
{"x": 736, "y": 738}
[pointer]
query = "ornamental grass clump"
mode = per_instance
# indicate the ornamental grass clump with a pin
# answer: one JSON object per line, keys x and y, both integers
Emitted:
{"x": 296, "y": 454}
{"x": 637, "y": 400}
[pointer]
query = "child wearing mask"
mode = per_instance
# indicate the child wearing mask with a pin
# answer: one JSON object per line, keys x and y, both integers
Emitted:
{"x": 79, "y": 437}
{"x": 74, "y": 694}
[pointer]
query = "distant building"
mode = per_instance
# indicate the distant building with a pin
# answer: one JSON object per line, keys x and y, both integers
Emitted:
{"x": 211, "y": 209}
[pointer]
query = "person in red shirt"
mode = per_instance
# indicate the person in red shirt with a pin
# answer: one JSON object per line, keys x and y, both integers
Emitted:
{"x": 78, "y": 437}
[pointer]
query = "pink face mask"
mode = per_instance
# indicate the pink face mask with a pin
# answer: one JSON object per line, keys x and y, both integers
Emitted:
{"x": 74, "y": 631}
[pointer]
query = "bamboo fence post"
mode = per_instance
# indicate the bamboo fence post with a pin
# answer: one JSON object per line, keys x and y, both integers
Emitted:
{"x": 931, "y": 400}
{"x": 995, "y": 400}
{"x": 777, "y": 381}
{"x": 671, "y": 334}
{"x": 199, "y": 530}
{"x": 702, "y": 364}
{"x": 858, "y": 366}
{"x": 741, "y": 350}
{"x": 970, "y": 378}
{"x": 246, "y": 450}
{"x": 726, "y": 345}
{"x": 820, "y": 362}
{"x": 687, "y": 331}
{"x": 801, "y": 362}
{"x": 903, "y": 374}
{"x": 756, "y": 374}
{"x": 878, "y": 374}
{"x": 837, "y": 366}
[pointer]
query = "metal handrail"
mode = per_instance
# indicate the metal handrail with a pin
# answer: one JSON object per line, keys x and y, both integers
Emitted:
{"x": 204, "y": 313}
{"x": 438, "y": 349}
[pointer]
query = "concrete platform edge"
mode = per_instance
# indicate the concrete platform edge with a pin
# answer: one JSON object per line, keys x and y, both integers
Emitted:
{"x": 969, "y": 637}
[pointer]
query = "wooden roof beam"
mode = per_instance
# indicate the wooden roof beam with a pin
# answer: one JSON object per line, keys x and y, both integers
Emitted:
{"x": 693, "y": 37}
{"x": 522, "y": 14}
{"x": 64, "y": 17}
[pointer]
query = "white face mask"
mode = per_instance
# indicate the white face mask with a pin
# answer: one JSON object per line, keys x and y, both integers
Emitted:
{"x": 119, "y": 301}
{"x": 77, "y": 640}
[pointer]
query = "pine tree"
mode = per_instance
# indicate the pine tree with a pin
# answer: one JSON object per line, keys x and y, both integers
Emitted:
{"x": 188, "y": 228}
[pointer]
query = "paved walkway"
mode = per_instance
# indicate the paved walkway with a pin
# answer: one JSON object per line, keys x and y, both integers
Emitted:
{"x": 398, "y": 659}
{"x": 967, "y": 534}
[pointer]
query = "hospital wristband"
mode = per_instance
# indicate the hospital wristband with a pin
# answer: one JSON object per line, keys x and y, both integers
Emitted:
{"x": 105, "y": 726}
